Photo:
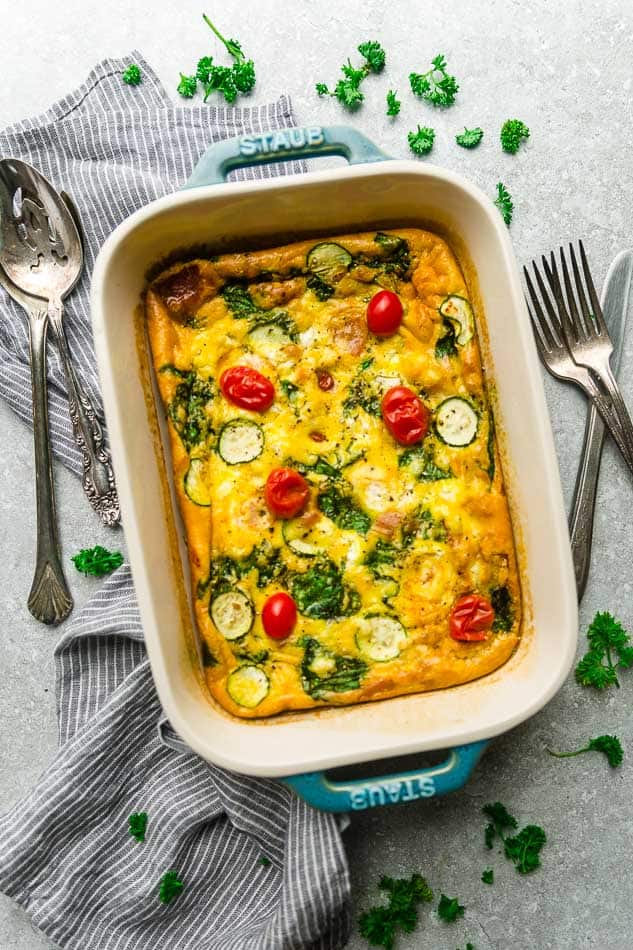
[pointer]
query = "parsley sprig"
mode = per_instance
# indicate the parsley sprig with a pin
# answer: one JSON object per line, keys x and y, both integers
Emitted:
{"x": 393, "y": 103}
{"x": 470, "y": 138}
{"x": 347, "y": 89}
{"x": 449, "y": 909}
{"x": 379, "y": 924}
{"x": 504, "y": 203}
{"x": 97, "y": 561}
{"x": 132, "y": 75}
{"x": 609, "y": 649}
{"x": 138, "y": 825}
{"x": 524, "y": 848}
{"x": 437, "y": 86}
{"x": 170, "y": 886}
{"x": 610, "y": 746}
{"x": 421, "y": 141}
{"x": 228, "y": 81}
{"x": 513, "y": 132}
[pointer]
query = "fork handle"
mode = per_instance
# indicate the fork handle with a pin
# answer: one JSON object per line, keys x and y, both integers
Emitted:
{"x": 584, "y": 500}
{"x": 98, "y": 474}
{"x": 615, "y": 421}
{"x": 619, "y": 406}
{"x": 49, "y": 599}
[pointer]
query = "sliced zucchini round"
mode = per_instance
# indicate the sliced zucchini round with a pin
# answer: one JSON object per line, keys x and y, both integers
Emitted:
{"x": 195, "y": 484}
{"x": 232, "y": 613}
{"x": 240, "y": 441}
{"x": 459, "y": 311}
{"x": 328, "y": 261}
{"x": 247, "y": 686}
{"x": 269, "y": 334}
{"x": 297, "y": 537}
{"x": 456, "y": 421}
{"x": 380, "y": 638}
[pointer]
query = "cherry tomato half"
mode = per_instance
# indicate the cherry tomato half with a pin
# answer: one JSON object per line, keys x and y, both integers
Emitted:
{"x": 471, "y": 618}
{"x": 279, "y": 615}
{"x": 286, "y": 492}
{"x": 384, "y": 313}
{"x": 405, "y": 415}
{"x": 247, "y": 388}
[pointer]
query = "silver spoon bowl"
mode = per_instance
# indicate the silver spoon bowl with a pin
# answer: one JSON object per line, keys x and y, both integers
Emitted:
{"x": 41, "y": 253}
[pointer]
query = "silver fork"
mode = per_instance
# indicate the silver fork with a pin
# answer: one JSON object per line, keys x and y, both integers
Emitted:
{"x": 558, "y": 357}
{"x": 586, "y": 332}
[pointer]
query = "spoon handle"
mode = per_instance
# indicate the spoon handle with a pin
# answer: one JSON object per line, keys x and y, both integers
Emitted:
{"x": 49, "y": 598}
{"x": 98, "y": 474}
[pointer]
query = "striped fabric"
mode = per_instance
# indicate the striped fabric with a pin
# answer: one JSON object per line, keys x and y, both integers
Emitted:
{"x": 65, "y": 852}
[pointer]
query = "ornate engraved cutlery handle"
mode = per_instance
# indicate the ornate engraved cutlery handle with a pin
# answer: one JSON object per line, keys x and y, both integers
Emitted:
{"x": 98, "y": 474}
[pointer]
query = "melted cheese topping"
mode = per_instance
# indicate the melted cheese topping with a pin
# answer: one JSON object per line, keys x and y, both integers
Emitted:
{"x": 388, "y": 532}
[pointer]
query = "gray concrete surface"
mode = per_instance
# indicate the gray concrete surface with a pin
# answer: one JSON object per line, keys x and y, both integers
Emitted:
{"x": 565, "y": 69}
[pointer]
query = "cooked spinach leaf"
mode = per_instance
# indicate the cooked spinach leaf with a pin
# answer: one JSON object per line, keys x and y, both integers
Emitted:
{"x": 320, "y": 592}
{"x": 447, "y": 344}
{"x": 420, "y": 459}
{"x": 267, "y": 561}
{"x": 501, "y": 601}
{"x": 239, "y": 301}
{"x": 319, "y": 287}
{"x": 361, "y": 392}
{"x": 491, "y": 446}
{"x": 325, "y": 672}
{"x": 336, "y": 502}
{"x": 189, "y": 407}
{"x": 260, "y": 656}
{"x": 208, "y": 657}
{"x": 383, "y": 555}
{"x": 393, "y": 255}
{"x": 422, "y": 524}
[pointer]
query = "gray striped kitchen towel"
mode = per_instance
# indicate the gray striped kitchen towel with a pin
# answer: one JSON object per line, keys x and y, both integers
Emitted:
{"x": 261, "y": 869}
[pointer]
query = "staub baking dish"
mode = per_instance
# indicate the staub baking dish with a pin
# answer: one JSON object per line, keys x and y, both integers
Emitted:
{"x": 371, "y": 192}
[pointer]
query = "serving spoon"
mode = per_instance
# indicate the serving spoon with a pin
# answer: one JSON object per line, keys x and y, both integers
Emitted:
{"x": 42, "y": 255}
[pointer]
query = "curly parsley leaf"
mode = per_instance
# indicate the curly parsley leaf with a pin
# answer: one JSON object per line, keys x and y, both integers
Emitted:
{"x": 449, "y": 909}
{"x": 374, "y": 56}
{"x": 488, "y": 876}
{"x": 187, "y": 86}
{"x": 609, "y": 649}
{"x": 393, "y": 103}
{"x": 436, "y": 86}
{"x": 524, "y": 849}
{"x": 138, "y": 825}
{"x": 347, "y": 90}
{"x": 504, "y": 203}
{"x": 470, "y": 138}
{"x": 132, "y": 75}
{"x": 513, "y": 132}
{"x": 421, "y": 141}
{"x": 97, "y": 561}
{"x": 379, "y": 924}
{"x": 170, "y": 886}
{"x": 610, "y": 746}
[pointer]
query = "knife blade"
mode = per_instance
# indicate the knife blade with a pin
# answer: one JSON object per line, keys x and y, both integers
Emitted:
{"x": 615, "y": 304}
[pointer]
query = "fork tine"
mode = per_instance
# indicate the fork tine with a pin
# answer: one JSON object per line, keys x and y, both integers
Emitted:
{"x": 551, "y": 272}
{"x": 582, "y": 296}
{"x": 593, "y": 297}
{"x": 541, "y": 346}
{"x": 538, "y": 317}
{"x": 554, "y": 319}
{"x": 580, "y": 325}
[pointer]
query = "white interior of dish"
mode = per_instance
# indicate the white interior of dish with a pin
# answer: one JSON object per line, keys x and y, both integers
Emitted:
{"x": 392, "y": 193}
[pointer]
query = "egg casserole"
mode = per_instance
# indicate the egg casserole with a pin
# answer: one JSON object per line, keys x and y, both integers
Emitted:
{"x": 400, "y": 565}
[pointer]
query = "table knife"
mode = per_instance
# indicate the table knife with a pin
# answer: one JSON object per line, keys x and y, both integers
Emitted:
{"x": 615, "y": 304}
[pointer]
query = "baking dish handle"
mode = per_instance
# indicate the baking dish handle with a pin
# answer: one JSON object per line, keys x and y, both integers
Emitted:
{"x": 283, "y": 145}
{"x": 357, "y": 794}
